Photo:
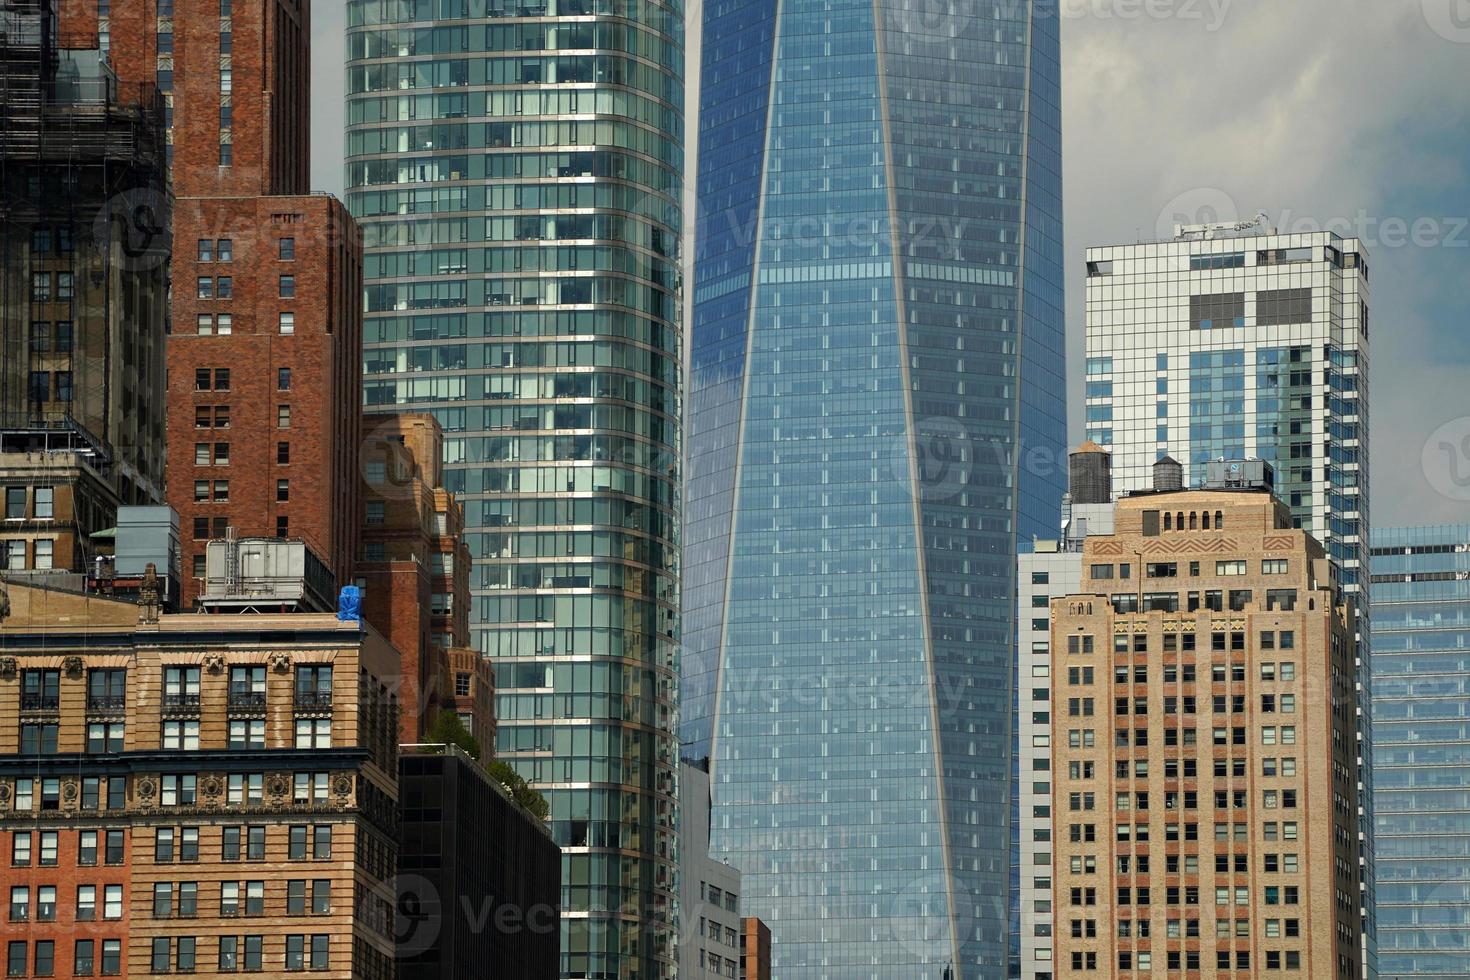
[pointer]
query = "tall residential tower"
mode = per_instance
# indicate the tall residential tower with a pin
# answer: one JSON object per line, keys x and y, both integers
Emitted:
{"x": 876, "y": 416}
{"x": 517, "y": 170}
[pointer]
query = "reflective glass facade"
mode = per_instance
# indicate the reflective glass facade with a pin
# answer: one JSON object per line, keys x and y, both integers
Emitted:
{"x": 1421, "y": 759}
{"x": 877, "y": 349}
{"x": 516, "y": 168}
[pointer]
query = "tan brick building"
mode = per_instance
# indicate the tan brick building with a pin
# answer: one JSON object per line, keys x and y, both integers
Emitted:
{"x": 1203, "y": 747}
{"x": 53, "y": 502}
{"x": 181, "y": 793}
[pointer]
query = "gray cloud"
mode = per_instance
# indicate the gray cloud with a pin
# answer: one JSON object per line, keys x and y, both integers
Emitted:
{"x": 328, "y": 95}
{"x": 1316, "y": 111}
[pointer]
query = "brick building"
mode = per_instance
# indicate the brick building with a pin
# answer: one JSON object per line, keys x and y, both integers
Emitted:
{"x": 474, "y": 695}
{"x": 1203, "y": 746}
{"x": 264, "y": 361}
{"x": 194, "y": 794}
{"x": 755, "y": 956}
{"x": 264, "y": 376}
{"x": 415, "y": 570}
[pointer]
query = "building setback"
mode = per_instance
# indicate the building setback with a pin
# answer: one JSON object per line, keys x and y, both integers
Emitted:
{"x": 184, "y": 794}
{"x": 1204, "y": 708}
{"x": 517, "y": 171}
{"x": 1421, "y": 766}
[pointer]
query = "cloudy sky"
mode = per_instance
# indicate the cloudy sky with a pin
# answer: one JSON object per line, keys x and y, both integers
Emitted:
{"x": 1348, "y": 114}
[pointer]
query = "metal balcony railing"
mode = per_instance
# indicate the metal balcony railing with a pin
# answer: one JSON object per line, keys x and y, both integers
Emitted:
{"x": 181, "y": 702}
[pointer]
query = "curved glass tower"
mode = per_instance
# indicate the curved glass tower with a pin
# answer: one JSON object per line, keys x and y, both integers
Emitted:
{"x": 876, "y": 414}
{"x": 517, "y": 170}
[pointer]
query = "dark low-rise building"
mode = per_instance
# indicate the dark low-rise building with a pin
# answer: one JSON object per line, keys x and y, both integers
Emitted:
{"x": 479, "y": 877}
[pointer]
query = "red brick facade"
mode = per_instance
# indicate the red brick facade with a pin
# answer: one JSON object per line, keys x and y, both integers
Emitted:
{"x": 415, "y": 564}
{"x": 292, "y": 386}
{"x": 267, "y": 281}
{"x": 60, "y": 862}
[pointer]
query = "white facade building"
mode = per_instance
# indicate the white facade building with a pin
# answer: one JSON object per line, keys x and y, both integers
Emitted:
{"x": 1243, "y": 346}
{"x": 711, "y": 936}
{"x": 1049, "y": 570}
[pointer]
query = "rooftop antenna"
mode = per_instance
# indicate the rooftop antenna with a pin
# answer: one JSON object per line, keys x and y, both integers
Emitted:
{"x": 1204, "y": 232}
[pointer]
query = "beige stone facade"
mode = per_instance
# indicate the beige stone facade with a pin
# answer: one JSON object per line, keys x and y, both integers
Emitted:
{"x": 206, "y": 794}
{"x": 1203, "y": 748}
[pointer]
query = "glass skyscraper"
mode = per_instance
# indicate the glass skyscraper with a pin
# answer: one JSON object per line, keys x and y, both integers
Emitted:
{"x": 876, "y": 414}
{"x": 516, "y": 166}
{"x": 1245, "y": 343}
{"x": 1421, "y": 762}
